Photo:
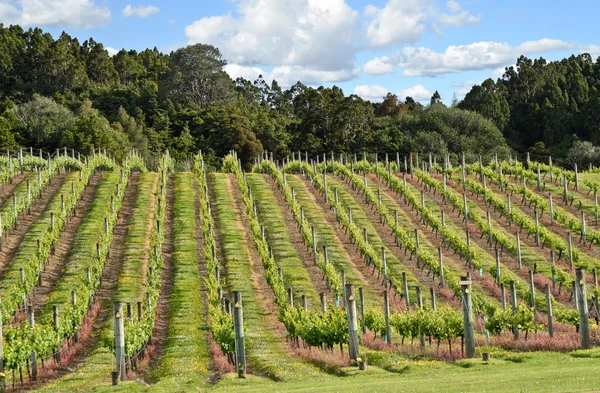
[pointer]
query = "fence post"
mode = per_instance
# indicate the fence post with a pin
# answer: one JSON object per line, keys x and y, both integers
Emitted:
{"x": 441, "y": 264}
{"x": 531, "y": 290}
{"x": 549, "y": 311}
{"x": 551, "y": 208}
{"x": 513, "y": 304}
{"x": 34, "y": 370}
{"x": 238, "y": 326}
{"x": 323, "y": 302}
{"x": 465, "y": 287}
{"x": 405, "y": 284}
{"x": 119, "y": 326}
{"x": 352, "y": 325}
{"x": 386, "y": 315}
{"x": 420, "y": 305}
{"x": 584, "y": 323}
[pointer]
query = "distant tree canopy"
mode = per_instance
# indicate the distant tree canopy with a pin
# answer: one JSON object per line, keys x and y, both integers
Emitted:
{"x": 60, "y": 92}
{"x": 539, "y": 101}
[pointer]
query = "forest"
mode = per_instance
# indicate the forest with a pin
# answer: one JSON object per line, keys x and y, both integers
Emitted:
{"x": 57, "y": 93}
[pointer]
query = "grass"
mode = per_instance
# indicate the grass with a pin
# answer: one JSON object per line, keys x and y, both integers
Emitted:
{"x": 186, "y": 356}
{"x": 506, "y": 372}
{"x": 277, "y": 233}
{"x": 265, "y": 350}
{"x": 84, "y": 247}
{"x": 132, "y": 279}
{"x": 394, "y": 266}
{"x": 326, "y": 235}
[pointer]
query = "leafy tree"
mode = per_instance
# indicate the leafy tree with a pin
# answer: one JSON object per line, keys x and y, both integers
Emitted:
{"x": 197, "y": 77}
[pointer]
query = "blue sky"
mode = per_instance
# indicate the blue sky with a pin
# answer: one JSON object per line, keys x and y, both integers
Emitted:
{"x": 368, "y": 47}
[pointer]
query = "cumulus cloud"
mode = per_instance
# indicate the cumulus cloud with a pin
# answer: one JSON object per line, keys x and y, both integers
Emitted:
{"x": 80, "y": 14}
{"x": 476, "y": 56}
{"x": 399, "y": 21}
{"x": 371, "y": 92}
{"x": 111, "y": 51}
{"x": 464, "y": 87}
{"x": 286, "y": 76}
{"x": 417, "y": 92}
{"x": 457, "y": 16}
{"x": 377, "y": 93}
{"x": 312, "y": 34}
{"x": 140, "y": 11}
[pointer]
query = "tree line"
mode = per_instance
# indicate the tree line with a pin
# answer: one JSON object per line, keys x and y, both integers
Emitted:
{"x": 61, "y": 92}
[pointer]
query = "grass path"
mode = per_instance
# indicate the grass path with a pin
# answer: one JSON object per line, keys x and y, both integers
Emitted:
{"x": 185, "y": 360}
{"x": 278, "y": 233}
{"x": 265, "y": 349}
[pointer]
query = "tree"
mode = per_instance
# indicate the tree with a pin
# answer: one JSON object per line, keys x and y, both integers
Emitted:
{"x": 435, "y": 98}
{"x": 42, "y": 122}
{"x": 197, "y": 77}
{"x": 488, "y": 100}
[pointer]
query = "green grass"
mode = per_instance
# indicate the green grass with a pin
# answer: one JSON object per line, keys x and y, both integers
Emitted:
{"x": 83, "y": 248}
{"x": 264, "y": 346}
{"x": 277, "y": 233}
{"x": 394, "y": 266}
{"x": 132, "y": 279}
{"x": 506, "y": 372}
{"x": 326, "y": 235}
{"x": 186, "y": 356}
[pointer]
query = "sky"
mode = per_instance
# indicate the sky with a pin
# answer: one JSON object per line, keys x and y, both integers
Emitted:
{"x": 367, "y": 47}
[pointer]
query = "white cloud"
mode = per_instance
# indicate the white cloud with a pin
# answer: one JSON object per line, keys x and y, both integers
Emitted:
{"x": 80, "y": 14}
{"x": 374, "y": 93}
{"x": 464, "y": 87}
{"x": 140, "y": 11}
{"x": 286, "y": 76}
{"x": 458, "y": 16}
{"x": 593, "y": 50}
{"x": 312, "y": 36}
{"x": 476, "y": 56}
{"x": 400, "y": 21}
{"x": 417, "y": 92}
{"x": 111, "y": 51}
{"x": 453, "y": 6}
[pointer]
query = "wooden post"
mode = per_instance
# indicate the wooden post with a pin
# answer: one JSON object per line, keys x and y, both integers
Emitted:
{"x": 551, "y": 208}
{"x": 531, "y": 291}
{"x": 441, "y": 265}
{"x": 361, "y": 299}
{"x": 537, "y": 228}
{"x": 539, "y": 178}
{"x": 352, "y": 324}
{"x": 513, "y": 304}
{"x": 323, "y": 302}
{"x": 432, "y": 294}
{"x": 420, "y": 305}
{"x": 469, "y": 334}
{"x": 386, "y": 316}
{"x": 384, "y": 266}
{"x": 583, "y": 230}
{"x": 405, "y": 285}
{"x": 119, "y": 327}
{"x": 498, "y": 278}
{"x": 397, "y": 238}
{"x": 489, "y": 222}
{"x": 595, "y": 277}
{"x": 238, "y": 326}
{"x": 596, "y": 206}
{"x": 565, "y": 190}
{"x": 34, "y": 370}
{"x": 466, "y": 208}
{"x": 519, "y": 261}
{"x": 503, "y": 296}
{"x": 570, "y": 249}
{"x": 468, "y": 249}
{"x": 584, "y": 322}
{"x": 576, "y": 179}
{"x": 291, "y": 296}
{"x": 314, "y": 244}
{"x": 304, "y": 302}
{"x": 549, "y": 311}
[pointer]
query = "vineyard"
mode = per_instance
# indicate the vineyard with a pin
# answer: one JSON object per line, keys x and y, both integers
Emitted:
{"x": 308, "y": 273}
